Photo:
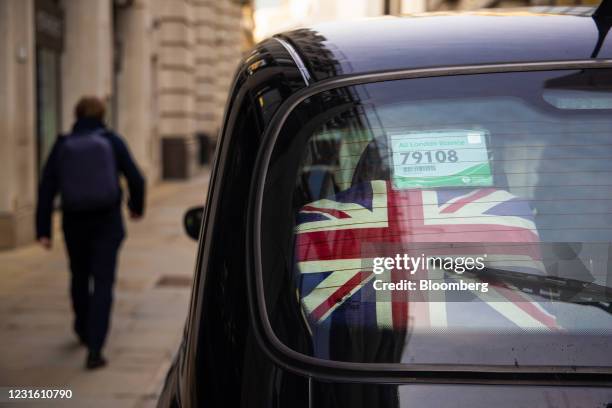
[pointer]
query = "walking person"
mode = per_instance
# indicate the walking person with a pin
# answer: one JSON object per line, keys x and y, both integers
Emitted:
{"x": 84, "y": 168}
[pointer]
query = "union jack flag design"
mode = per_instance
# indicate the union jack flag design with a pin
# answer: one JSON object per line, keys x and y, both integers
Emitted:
{"x": 336, "y": 240}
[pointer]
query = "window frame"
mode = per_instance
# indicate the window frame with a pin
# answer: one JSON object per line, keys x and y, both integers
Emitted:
{"x": 309, "y": 366}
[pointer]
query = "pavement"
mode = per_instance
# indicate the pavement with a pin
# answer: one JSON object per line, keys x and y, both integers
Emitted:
{"x": 156, "y": 263}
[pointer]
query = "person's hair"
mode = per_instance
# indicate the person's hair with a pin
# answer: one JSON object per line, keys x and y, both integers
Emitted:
{"x": 90, "y": 107}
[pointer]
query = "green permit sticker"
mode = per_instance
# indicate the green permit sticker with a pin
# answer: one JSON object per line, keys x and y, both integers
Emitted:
{"x": 446, "y": 158}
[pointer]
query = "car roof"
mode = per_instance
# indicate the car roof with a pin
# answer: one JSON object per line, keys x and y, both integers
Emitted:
{"x": 445, "y": 39}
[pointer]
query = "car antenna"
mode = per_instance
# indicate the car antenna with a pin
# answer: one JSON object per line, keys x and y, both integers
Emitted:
{"x": 603, "y": 20}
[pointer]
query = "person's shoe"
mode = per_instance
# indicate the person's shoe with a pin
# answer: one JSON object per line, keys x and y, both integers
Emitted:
{"x": 95, "y": 360}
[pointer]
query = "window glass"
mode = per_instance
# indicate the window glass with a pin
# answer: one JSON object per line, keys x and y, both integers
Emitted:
{"x": 461, "y": 220}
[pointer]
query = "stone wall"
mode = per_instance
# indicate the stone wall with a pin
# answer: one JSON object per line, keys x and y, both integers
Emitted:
{"x": 435, "y": 5}
{"x": 17, "y": 122}
{"x": 198, "y": 47}
{"x": 87, "y": 59}
{"x": 163, "y": 66}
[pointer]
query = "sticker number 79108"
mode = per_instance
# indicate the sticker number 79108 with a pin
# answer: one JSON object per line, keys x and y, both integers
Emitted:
{"x": 430, "y": 156}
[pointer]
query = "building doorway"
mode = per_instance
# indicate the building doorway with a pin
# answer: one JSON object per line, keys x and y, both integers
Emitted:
{"x": 49, "y": 42}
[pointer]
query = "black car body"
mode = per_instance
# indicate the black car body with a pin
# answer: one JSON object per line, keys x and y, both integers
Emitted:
{"x": 247, "y": 340}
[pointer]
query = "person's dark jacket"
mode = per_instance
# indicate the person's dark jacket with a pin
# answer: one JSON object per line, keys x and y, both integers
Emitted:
{"x": 49, "y": 182}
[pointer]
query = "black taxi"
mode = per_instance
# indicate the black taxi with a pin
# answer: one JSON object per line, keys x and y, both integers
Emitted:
{"x": 409, "y": 212}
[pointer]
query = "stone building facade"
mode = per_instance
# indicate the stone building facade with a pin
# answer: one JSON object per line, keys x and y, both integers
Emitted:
{"x": 419, "y": 6}
{"x": 281, "y": 15}
{"x": 163, "y": 66}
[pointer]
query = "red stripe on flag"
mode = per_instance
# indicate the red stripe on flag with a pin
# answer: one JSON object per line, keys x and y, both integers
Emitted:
{"x": 342, "y": 244}
{"x": 329, "y": 211}
{"x": 338, "y": 295}
{"x": 399, "y": 304}
{"x": 457, "y": 205}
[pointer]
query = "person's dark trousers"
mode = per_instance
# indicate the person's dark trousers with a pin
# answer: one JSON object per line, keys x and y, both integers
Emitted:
{"x": 92, "y": 241}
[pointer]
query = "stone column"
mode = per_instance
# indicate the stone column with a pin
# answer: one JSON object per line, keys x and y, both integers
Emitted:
{"x": 247, "y": 24}
{"x": 206, "y": 58}
{"x": 17, "y": 122}
{"x": 228, "y": 26}
{"x": 176, "y": 87}
{"x": 134, "y": 83}
{"x": 221, "y": 65}
{"x": 88, "y": 53}
{"x": 413, "y": 6}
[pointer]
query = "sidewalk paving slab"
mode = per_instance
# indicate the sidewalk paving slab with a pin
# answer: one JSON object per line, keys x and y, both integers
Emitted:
{"x": 39, "y": 348}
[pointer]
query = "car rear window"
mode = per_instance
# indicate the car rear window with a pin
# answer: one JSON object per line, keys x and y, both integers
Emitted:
{"x": 463, "y": 220}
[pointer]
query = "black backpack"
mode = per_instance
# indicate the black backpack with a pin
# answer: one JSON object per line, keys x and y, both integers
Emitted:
{"x": 88, "y": 177}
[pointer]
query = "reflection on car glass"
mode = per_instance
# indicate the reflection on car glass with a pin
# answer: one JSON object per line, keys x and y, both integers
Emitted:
{"x": 337, "y": 240}
{"x": 331, "y": 236}
{"x": 446, "y": 221}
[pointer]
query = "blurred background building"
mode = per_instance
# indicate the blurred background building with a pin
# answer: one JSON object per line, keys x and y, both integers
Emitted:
{"x": 272, "y": 16}
{"x": 163, "y": 66}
